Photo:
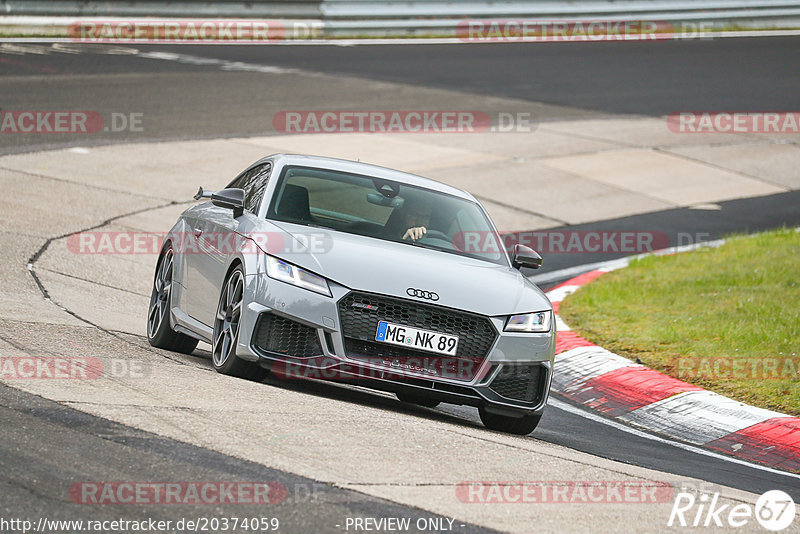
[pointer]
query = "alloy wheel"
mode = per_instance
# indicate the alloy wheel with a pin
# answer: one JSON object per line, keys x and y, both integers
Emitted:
{"x": 160, "y": 298}
{"x": 226, "y": 324}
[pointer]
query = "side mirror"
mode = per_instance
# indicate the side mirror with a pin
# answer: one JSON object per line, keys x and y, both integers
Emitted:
{"x": 232, "y": 198}
{"x": 523, "y": 256}
{"x": 201, "y": 193}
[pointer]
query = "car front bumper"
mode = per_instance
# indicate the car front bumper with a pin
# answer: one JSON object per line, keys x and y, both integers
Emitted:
{"x": 301, "y": 334}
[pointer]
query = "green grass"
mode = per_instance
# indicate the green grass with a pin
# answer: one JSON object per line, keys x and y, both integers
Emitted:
{"x": 736, "y": 307}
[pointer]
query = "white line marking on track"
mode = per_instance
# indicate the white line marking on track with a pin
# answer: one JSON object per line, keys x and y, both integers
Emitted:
{"x": 577, "y": 366}
{"x": 22, "y": 49}
{"x": 698, "y": 416}
{"x": 223, "y": 64}
{"x": 561, "y": 405}
{"x": 557, "y": 295}
{"x": 406, "y": 41}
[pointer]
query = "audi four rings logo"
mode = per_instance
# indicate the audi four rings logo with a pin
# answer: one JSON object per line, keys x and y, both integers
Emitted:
{"x": 420, "y": 294}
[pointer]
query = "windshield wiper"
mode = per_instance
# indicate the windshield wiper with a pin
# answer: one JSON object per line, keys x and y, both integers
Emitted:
{"x": 449, "y": 251}
{"x": 429, "y": 247}
{"x": 315, "y": 225}
{"x": 309, "y": 224}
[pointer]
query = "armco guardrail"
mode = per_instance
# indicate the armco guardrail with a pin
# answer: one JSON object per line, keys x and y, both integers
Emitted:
{"x": 367, "y": 18}
{"x": 283, "y": 9}
{"x": 524, "y": 8}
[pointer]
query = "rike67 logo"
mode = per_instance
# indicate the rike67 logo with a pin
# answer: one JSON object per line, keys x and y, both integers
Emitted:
{"x": 774, "y": 510}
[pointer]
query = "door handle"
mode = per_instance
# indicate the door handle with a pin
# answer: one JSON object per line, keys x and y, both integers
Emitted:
{"x": 198, "y": 231}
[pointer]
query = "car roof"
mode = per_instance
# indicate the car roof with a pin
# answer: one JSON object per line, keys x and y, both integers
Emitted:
{"x": 368, "y": 169}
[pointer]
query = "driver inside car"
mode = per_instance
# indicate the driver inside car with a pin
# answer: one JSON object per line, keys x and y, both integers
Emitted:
{"x": 416, "y": 218}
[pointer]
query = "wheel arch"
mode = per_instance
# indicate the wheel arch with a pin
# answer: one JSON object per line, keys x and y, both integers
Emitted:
{"x": 235, "y": 262}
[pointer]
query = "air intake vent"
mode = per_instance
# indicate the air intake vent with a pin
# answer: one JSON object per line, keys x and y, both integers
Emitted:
{"x": 284, "y": 336}
{"x": 520, "y": 382}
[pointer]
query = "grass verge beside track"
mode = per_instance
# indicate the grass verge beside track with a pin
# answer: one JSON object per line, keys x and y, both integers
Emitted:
{"x": 726, "y": 319}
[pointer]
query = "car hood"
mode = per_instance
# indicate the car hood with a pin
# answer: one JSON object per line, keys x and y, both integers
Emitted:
{"x": 377, "y": 266}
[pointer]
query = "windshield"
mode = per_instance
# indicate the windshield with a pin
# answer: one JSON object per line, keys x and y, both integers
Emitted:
{"x": 386, "y": 210}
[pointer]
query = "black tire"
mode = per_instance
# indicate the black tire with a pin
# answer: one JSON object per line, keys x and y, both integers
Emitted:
{"x": 415, "y": 398}
{"x": 226, "y": 331}
{"x": 512, "y": 425}
{"x": 159, "y": 331}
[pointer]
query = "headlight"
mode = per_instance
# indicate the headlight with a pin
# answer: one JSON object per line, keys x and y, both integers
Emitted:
{"x": 529, "y": 322}
{"x": 292, "y": 274}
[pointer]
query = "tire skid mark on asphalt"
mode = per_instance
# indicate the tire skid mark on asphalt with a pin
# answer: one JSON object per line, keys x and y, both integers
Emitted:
{"x": 90, "y": 186}
{"x": 131, "y": 405}
{"x": 22, "y": 234}
{"x": 522, "y": 210}
{"x": 185, "y": 59}
{"x": 35, "y": 68}
{"x": 38, "y": 254}
{"x": 44, "y": 323}
{"x": 163, "y": 354}
{"x": 670, "y": 152}
{"x": 14, "y": 344}
{"x": 94, "y": 282}
{"x": 540, "y": 453}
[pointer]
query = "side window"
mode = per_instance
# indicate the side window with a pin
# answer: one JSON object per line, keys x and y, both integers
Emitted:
{"x": 239, "y": 181}
{"x": 256, "y": 187}
{"x": 254, "y": 182}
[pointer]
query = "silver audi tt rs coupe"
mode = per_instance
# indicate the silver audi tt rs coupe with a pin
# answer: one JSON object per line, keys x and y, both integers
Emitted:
{"x": 318, "y": 268}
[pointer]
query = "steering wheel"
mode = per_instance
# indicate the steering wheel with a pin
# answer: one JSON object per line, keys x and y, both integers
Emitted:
{"x": 436, "y": 235}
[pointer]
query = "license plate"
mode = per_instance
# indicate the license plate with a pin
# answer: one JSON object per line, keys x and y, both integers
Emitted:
{"x": 414, "y": 338}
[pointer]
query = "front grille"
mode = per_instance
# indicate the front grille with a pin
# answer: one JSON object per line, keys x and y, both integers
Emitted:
{"x": 411, "y": 360}
{"x": 520, "y": 382}
{"x": 359, "y": 314}
{"x": 284, "y": 336}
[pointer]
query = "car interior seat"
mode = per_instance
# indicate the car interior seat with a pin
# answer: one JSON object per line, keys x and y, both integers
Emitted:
{"x": 294, "y": 204}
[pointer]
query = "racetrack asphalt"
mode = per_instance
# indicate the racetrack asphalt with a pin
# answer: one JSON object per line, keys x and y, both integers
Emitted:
{"x": 49, "y": 448}
{"x": 194, "y": 101}
{"x": 185, "y": 99}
